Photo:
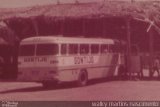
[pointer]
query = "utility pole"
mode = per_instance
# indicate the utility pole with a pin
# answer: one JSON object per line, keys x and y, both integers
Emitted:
{"x": 128, "y": 46}
{"x": 151, "y": 51}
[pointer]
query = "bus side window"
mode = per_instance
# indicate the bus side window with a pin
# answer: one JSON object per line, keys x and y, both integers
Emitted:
{"x": 27, "y": 50}
{"x": 47, "y": 49}
{"x": 104, "y": 48}
{"x": 63, "y": 49}
{"x": 73, "y": 48}
{"x": 94, "y": 49}
{"x": 84, "y": 49}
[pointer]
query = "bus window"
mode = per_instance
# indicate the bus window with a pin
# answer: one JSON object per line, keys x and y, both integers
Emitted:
{"x": 94, "y": 48}
{"x": 73, "y": 48}
{"x": 47, "y": 49}
{"x": 84, "y": 49}
{"x": 63, "y": 49}
{"x": 26, "y": 50}
{"x": 104, "y": 48}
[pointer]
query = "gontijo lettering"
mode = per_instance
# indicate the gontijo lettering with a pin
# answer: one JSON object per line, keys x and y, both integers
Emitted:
{"x": 35, "y": 59}
{"x": 83, "y": 60}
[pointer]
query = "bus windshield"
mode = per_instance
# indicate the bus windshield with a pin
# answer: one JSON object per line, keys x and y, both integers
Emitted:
{"x": 47, "y": 49}
{"x": 26, "y": 50}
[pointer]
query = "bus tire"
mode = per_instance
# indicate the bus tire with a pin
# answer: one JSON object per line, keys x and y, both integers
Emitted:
{"x": 49, "y": 84}
{"x": 82, "y": 78}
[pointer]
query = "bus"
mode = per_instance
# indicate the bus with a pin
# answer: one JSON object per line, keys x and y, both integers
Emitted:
{"x": 51, "y": 59}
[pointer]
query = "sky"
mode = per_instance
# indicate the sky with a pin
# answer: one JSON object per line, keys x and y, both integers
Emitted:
{"x": 26, "y": 3}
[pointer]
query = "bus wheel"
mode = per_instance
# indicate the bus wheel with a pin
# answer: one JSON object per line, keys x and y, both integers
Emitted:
{"x": 82, "y": 78}
{"x": 49, "y": 84}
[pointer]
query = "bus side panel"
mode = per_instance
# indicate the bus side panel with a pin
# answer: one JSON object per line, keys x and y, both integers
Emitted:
{"x": 102, "y": 66}
{"x": 68, "y": 75}
{"x": 105, "y": 66}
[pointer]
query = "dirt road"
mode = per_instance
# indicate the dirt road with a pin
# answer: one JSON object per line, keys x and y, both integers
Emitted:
{"x": 106, "y": 91}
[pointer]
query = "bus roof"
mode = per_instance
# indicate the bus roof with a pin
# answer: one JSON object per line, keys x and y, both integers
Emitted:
{"x": 53, "y": 39}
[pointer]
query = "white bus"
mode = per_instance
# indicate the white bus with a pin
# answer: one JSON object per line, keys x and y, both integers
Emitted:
{"x": 52, "y": 59}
